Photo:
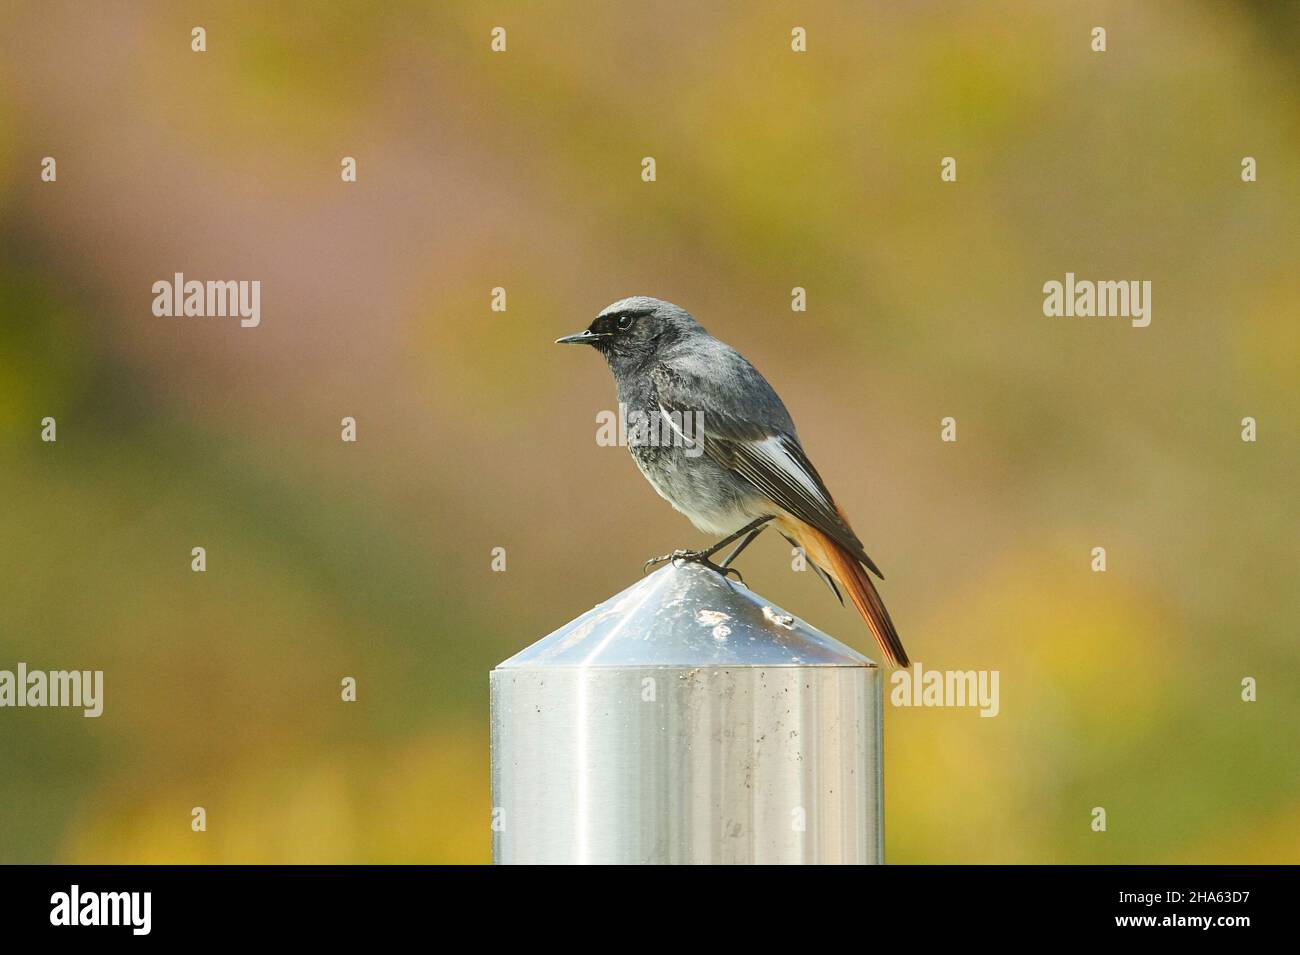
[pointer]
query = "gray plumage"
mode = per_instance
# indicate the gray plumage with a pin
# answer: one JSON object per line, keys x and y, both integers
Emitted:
{"x": 666, "y": 361}
{"x": 751, "y": 464}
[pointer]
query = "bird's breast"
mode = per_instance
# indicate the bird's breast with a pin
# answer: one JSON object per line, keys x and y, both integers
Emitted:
{"x": 712, "y": 498}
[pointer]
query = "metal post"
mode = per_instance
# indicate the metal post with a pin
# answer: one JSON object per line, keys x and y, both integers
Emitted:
{"x": 686, "y": 720}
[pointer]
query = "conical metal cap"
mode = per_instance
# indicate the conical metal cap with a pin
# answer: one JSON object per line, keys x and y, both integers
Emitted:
{"x": 686, "y": 616}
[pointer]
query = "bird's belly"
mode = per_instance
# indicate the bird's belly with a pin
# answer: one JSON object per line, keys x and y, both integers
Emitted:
{"x": 714, "y": 499}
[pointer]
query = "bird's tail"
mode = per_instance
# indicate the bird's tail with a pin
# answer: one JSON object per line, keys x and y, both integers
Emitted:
{"x": 823, "y": 551}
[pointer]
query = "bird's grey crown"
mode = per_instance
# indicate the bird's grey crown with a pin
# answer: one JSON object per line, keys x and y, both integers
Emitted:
{"x": 665, "y": 314}
{"x": 644, "y": 304}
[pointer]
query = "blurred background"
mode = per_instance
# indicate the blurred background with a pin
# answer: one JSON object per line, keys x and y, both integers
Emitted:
{"x": 522, "y": 170}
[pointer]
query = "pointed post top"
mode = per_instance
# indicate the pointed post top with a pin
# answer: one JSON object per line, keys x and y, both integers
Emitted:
{"x": 686, "y": 616}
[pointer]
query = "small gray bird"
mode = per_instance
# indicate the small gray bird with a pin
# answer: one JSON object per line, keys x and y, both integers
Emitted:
{"x": 750, "y": 469}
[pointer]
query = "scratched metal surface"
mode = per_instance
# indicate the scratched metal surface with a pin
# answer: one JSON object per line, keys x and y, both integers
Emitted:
{"x": 686, "y": 616}
{"x": 686, "y": 720}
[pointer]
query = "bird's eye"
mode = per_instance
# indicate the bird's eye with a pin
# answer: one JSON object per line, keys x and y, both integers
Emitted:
{"x": 624, "y": 322}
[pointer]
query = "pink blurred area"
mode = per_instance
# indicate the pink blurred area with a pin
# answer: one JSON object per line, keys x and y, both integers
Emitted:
{"x": 521, "y": 170}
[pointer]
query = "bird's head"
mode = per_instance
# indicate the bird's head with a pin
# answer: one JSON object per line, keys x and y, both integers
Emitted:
{"x": 633, "y": 330}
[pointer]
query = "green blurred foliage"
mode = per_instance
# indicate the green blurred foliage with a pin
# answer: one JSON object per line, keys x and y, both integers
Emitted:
{"x": 522, "y": 170}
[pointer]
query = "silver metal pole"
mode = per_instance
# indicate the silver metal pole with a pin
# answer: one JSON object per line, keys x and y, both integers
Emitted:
{"x": 686, "y": 720}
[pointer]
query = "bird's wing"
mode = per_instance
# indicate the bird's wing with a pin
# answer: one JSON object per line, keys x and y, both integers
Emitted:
{"x": 766, "y": 454}
{"x": 826, "y": 578}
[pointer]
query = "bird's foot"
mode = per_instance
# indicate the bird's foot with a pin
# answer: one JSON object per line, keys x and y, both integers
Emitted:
{"x": 692, "y": 557}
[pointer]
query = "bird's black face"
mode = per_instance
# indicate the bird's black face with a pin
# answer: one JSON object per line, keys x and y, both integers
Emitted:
{"x": 628, "y": 332}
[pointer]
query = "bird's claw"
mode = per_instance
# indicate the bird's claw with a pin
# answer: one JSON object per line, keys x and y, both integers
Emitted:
{"x": 724, "y": 571}
{"x": 692, "y": 557}
{"x": 674, "y": 557}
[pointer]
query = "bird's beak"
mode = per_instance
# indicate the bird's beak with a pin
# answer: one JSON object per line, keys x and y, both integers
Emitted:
{"x": 585, "y": 337}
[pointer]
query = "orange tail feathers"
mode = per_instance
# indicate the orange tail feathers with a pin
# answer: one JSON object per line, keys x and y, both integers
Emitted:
{"x": 852, "y": 577}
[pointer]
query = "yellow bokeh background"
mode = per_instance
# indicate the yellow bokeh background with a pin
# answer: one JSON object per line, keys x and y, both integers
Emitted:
{"x": 522, "y": 170}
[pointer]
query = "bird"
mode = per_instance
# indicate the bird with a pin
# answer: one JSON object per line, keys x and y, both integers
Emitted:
{"x": 741, "y": 467}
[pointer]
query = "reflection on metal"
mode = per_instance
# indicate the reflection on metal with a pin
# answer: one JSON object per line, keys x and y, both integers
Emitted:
{"x": 686, "y": 720}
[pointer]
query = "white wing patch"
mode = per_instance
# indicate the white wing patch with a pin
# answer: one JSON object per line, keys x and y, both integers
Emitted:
{"x": 668, "y": 418}
{"x": 773, "y": 453}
